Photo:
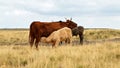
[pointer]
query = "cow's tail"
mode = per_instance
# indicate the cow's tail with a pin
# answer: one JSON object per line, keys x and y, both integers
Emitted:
{"x": 29, "y": 36}
{"x": 30, "y": 33}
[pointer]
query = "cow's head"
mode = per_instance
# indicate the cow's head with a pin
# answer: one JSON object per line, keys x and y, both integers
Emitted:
{"x": 71, "y": 24}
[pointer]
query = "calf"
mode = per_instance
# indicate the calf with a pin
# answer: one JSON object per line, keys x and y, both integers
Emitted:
{"x": 63, "y": 34}
{"x": 78, "y": 31}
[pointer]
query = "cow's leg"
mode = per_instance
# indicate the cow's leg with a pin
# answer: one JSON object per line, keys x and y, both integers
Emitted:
{"x": 67, "y": 40}
{"x": 31, "y": 41}
{"x": 70, "y": 41}
{"x": 81, "y": 38}
{"x": 53, "y": 44}
{"x": 37, "y": 42}
{"x": 56, "y": 43}
{"x": 60, "y": 43}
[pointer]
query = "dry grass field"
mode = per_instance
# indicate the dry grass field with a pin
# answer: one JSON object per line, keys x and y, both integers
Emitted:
{"x": 101, "y": 49}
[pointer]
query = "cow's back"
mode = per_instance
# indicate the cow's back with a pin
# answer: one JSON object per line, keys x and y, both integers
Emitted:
{"x": 44, "y": 28}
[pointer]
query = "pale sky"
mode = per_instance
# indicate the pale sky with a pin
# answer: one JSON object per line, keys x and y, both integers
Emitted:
{"x": 87, "y": 13}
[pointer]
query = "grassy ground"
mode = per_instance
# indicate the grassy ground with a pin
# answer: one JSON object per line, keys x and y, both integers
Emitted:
{"x": 16, "y": 37}
{"x": 15, "y": 51}
{"x": 10, "y": 37}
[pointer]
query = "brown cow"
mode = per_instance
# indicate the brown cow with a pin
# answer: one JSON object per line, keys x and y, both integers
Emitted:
{"x": 58, "y": 36}
{"x": 78, "y": 31}
{"x": 44, "y": 29}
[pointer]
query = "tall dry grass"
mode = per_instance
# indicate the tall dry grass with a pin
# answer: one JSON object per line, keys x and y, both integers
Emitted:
{"x": 99, "y": 34}
{"x": 10, "y": 37}
{"x": 16, "y": 53}
{"x": 102, "y": 55}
